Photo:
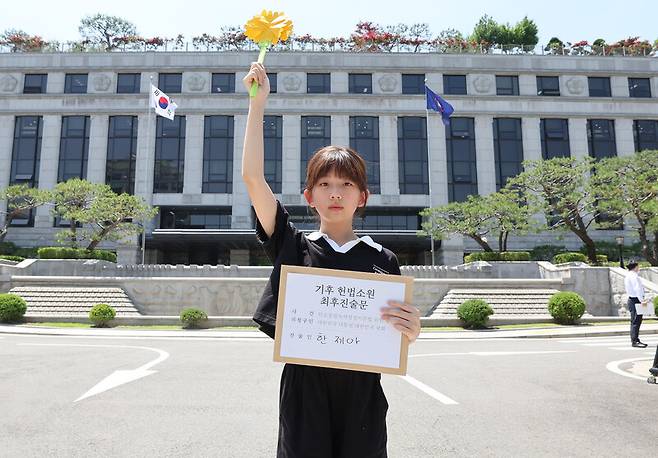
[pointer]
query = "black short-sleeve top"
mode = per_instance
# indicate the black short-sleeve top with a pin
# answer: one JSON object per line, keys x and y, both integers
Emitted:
{"x": 287, "y": 245}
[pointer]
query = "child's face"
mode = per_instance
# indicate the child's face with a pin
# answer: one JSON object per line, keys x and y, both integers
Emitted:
{"x": 335, "y": 198}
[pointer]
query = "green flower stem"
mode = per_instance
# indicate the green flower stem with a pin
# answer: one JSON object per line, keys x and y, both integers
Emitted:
{"x": 263, "y": 45}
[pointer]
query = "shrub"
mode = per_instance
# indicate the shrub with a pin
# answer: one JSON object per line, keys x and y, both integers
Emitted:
{"x": 561, "y": 258}
{"x": 655, "y": 305}
{"x": 12, "y": 258}
{"x": 474, "y": 312}
{"x": 12, "y": 308}
{"x": 611, "y": 250}
{"x": 191, "y": 317}
{"x": 7, "y": 248}
{"x": 75, "y": 253}
{"x": 566, "y": 307}
{"x": 101, "y": 315}
{"x": 545, "y": 252}
{"x": 498, "y": 256}
{"x": 601, "y": 259}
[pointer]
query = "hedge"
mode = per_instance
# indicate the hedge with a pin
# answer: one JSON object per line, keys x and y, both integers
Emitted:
{"x": 561, "y": 258}
{"x": 75, "y": 253}
{"x": 498, "y": 256}
{"x": 12, "y": 258}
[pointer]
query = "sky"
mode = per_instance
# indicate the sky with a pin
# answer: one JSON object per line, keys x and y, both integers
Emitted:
{"x": 568, "y": 20}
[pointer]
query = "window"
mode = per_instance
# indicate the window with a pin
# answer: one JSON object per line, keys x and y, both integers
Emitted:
{"x": 462, "y": 170}
{"x": 169, "y": 155}
{"x": 195, "y": 217}
{"x": 170, "y": 83}
{"x": 25, "y": 159}
{"x": 273, "y": 143}
{"x": 316, "y": 133}
{"x": 128, "y": 83}
{"x": 639, "y": 87}
{"x": 75, "y": 83}
{"x": 35, "y": 84}
{"x": 223, "y": 83}
{"x": 554, "y": 138}
{"x": 73, "y": 148}
{"x": 412, "y": 155}
{"x": 454, "y": 84}
{"x": 218, "y": 154}
{"x": 413, "y": 83}
{"x": 645, "y": 134}
{"x": 507, "y": 85}
{"x": 364, "y": 138}
{"x": 318, "y": 83}
{"x": 391, "y": 219}
{"x": 601, "y": 138}
{"x": 548, "y": 85}
{"x": 121, "y": 154}
{"x": 599, "y": 86}
{"x": 508, "y": 149}
{"x": 273, "y": 82}
{"x": 360, "y": 83}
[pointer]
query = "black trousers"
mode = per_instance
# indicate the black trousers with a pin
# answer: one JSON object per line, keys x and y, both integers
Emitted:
{"x": 636, "y": 320}
{"x": 331, "y": 413}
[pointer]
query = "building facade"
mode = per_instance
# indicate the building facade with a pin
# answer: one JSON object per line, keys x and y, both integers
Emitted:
{"x": 86, "y": 115}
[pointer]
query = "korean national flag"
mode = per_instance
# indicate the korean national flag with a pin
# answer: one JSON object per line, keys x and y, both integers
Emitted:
{"x": 163, "y": 105}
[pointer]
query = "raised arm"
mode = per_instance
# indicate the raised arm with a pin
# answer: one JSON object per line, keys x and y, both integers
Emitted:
{"x": 253, "y": 169}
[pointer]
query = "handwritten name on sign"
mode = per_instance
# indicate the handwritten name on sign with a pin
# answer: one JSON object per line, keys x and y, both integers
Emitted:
{"x": 332, "y": 318}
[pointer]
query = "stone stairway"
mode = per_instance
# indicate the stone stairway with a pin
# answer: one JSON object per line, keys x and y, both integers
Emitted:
{"x": 56, "y": 300}
{"x": 530, "y": 302}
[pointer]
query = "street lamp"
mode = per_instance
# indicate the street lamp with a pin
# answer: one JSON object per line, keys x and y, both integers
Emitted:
{"x": 620, "y": 244}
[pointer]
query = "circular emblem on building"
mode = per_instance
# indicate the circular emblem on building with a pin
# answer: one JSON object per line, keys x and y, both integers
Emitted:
{"x": 387, "y": 83}
{"x": 8, "y": 83}
{"x": 102, "y": 83}
{"x": 575, "y": 85}
{"x": 196, "y": 82}
{"x": 482, "y": 84}
{"x": 292, "y": 83}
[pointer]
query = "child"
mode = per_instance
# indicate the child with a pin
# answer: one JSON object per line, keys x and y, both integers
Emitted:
{"x": 322, "y": 412}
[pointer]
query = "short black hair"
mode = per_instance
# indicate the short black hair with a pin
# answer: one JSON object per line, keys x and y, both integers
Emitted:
{"x": 631, "y": 265}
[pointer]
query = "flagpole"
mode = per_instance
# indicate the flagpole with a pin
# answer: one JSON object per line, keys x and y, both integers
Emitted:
{"x": 429, "y": 175}
{"x": 148, "y": 149}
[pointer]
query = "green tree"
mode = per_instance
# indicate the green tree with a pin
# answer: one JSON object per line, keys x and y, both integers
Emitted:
{"x": 525, "y": 32}
{"x": 628, "y": 189}
{"x": 560, "y": 188}
{"x": 509, "y": 214}
{"x": 105, "y": 31}
{"x": 490, "y": 31}
{"x": 20, "y": 200}
{"x": 72, "y": 200}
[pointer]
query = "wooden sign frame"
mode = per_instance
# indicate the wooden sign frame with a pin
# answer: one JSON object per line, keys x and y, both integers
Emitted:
{"x": 281, "y": 311}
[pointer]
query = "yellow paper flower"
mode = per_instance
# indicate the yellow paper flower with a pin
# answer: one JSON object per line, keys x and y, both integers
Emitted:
{"x": 269, "y": 26}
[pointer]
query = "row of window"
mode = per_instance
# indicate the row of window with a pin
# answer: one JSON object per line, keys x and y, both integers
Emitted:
{"x": 359, "y": 83}
{"x": 316, "y": 132}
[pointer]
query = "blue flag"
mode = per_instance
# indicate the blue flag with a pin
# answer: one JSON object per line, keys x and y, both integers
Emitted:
{"x": 436, "y": 103}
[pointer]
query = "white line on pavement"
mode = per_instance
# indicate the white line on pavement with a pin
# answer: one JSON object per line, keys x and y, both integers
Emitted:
{"x": 613, "y": 366}
{"x": 493, "y": 353}
{"x": 117, "y": 377}
{"x": 429, "y": 391}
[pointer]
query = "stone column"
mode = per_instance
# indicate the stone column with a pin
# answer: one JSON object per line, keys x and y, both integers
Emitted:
{"x": 654, "y": 86}
{"x": 527, "y": 84}
{"x": 438, "y": 156}
{"x": 7, "y": 124}
{"x": 339, "y": 82}
{"x": 193, "y": 170}
{"x": 52, "y": 127}
{"x": 340, "y": 130}
{"x": 292, "y": 154}
{"x": 241, "y": 211}
{"x": 98, "y": 131}
{"x": 531, "y": 138}
{"x": 388, "y": 156}
{"x": 484, "y": 149}
{"x": 619, "y": 86}
{"x": 55, "y": 83}
{"x": 145, "y": 161}
{"x": 578, "y": 137}
{"x": 435, "y": 82}
{"x": 624, "y": 137}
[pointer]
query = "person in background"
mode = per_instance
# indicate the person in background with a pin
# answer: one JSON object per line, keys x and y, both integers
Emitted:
{"x": 635, "y": 292}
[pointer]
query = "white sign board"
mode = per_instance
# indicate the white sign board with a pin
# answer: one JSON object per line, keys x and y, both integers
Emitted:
{"x": 332, "y": 318}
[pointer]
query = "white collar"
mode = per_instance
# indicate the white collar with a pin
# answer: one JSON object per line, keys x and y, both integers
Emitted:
{"x": 344, "y": 248}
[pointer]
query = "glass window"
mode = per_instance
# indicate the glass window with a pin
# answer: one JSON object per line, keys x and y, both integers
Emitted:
{"x": 218, "y": 154}
{"x": 599, "y": 86}
{"x": 121, "y": 154}
{"x": 169, "y": 155}
{"x": 548, "y": 85}
{"x": 75, "y": 83}
{"x": 273, "y": 82}
{"x": 195, "y": 217}
{"x": 508, "y": 149}
{"x": 25, "y": 157}
{"x": 360, "y": 83}
{"x": 128, "y": 83}
{"x": 601, "y": 138}
{"x": 639, "y": 87}
{"x": 391, "y": 219}
{"x": 412, "y": 155}
{"x": 507, "y": 85}
{"x": 170, "y": 83}
{"x": 316, "y": 133}
{"x": 223, "y": 83}
{"x": 318, "y": 83}
{"x": 35, "y": 84}
{"x": 554, "y": 138}
{"x": 364, "y": 138}
{"x": 413, "y": 83}
{"x": 462, "y": 168}
{"x": 645, "y": 134}
{"x": 454, "y": 84}
{"x": 73, "y": 148}
{"x": 273, "y": 144}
